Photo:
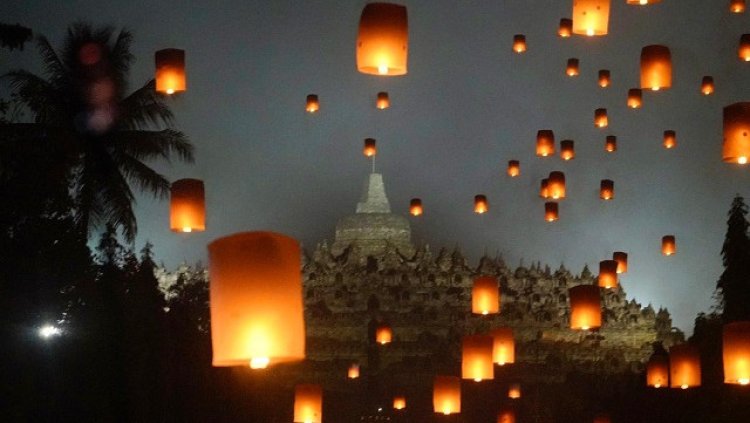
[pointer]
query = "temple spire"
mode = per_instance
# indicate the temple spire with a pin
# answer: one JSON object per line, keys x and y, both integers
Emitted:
{"x": 373, "y": 198}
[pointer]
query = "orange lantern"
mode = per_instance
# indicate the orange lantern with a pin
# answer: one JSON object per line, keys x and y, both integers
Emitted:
{"x": 170, "y": 71}
{"x": 519, "y": 43}
{"x": 566, "y": 28}
{"x": 635, "y": 98}
{"x": 545, "y": 143}
{"x": 476, "y": 358}
{"x": 707, "y": 85}
{"x": 399, "y": 403}
{"x": 668, "y": 245}
{"x": 572, "y": 68}
{"x": 737, "y": 6}
{"x": 353, "y": 372}
{"x": 670, "y": 139}
{"x": 383, "y": 334}
{"x": 656, "y": 67}
{"x": 643, "y": 2}
{"x": 446, "y": 395}
{"x": 736, "y": 351}
{"x": 607, "y": 189}
{"x": 481, "y": 205}
{"x": 187, "y": 206}
{"x": 383, "y": 102}
{"x": 610, "y": 144}
{"x": 736, "y": 145}
{"x": 370, "y": 149}
{"x": 506, "y": 416}
{"x": 604, "y": 78}
{"x": 383, "y": 39}
{"x": 485, "y": 296}
{"x": 591, "y": 17}
{"x": 600, "y": 118}
{"x": 415, "y": 207}
{"x": 622, "y": 261}
{"x": 657, "y": 371}
{"x": 556, "y": 185}
{"x": 603, "y": 418}
{"x": 514, "y": 391}
{"x": 308, "y": 404}
{"x": 567, "y": 150}
{"x": 551, "y": 212}
{"x": 744, "y": 51}
{"x": 313, "y": 104}
{"x": 608, "y": 274}
{"x": 684, "y": 366}
{"x": 504, "y": 346}
{"x": 256, "y": 300}
{"x": 544, "y": 189}
{"x": 585, "y": 307}
{"x": 514, "y": 168}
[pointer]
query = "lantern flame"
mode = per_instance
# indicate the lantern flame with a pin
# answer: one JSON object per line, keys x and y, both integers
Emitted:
{"x": 259, "y": 362}
{"x": 742, "y": 160}
{"x": 383, "y": 69}
{"x": 187, "y": 229}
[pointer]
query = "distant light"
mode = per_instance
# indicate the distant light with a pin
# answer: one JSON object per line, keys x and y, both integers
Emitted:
{"x": 48, "y": 331}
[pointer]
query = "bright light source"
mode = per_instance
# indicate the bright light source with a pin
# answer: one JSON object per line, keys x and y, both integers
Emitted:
{"x": 48, "y": 331}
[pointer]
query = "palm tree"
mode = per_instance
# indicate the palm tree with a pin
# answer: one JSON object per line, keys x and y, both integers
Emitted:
{"x": 101, "y": 136}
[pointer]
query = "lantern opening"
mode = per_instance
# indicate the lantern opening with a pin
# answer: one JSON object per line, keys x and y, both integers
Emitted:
{"x": 259, "y": 362}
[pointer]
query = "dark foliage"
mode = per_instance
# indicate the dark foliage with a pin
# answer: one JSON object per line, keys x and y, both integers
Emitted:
{"x": 14, "y": 36}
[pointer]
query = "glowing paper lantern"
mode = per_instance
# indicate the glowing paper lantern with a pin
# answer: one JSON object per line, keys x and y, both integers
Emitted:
{"x": 187, "y": 206}
{"x": 504, "y": 346}
{"x": 551, "y": 212}
{"x": 603, "y": 418}
{"x": 670, "y": 139}
{"x": 415, "y": 207}
{"x": 485, "y": 296}
{"x": 684, "y": 366}
{"x": 370, "y": 149}
{"x": 643, "y": 2}
{"x": 308, "y": 404}
{"x": 600, "y": 118}
{"x": 572, "y": 68}
{"x": 383, "y": 334}
{"x": 481, "y": 205}
{"x": 383, "y": 39}
{"x": 566, "y": 28}
{"x": 446, "y": 395}
{"x": 514, "y": 391}
{"x": 545, "y": 143}
{"x": 170, "y": 71}
{"x": 399, "y": 403}
{"x": 668, "y": 245}
{"x": 256, "y": 300}
{"x": 736, "y": 144}
{"x": 635, "y": 98}
{"x": 519, "y": 43}
{"x": 567, "y": 150}
{"x": 607, "y": 189}
{"x": 737, "y": 6}
{"x": 608, "y": 274}
{"x": 476, "y": 358}
{"x": 657, "y": 371}
{"x": 544, "y": 189}
{"x": 506, "y": 416}
{"x": 707, "y": 85}
{"x": 604, "y": 78}
{"x": 622, "y": 261}
{"x": 585, "y": 307}
{"x": 313, "y": 104}
{"x": 556, "y": 185}
{"x": 591, "y": 17}
{"x": 383, "y": 101}
{"x": 353, "y": 372}
{"x": 736, "y": 352}
{"x": 744, "y": 50}
{"x": 656, "y": 67}
{"x": 610, "y": 144}
{"x": 514, "y": 168}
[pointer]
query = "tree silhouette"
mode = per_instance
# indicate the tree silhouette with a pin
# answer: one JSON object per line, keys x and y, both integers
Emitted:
{"x": 733, "y": 287}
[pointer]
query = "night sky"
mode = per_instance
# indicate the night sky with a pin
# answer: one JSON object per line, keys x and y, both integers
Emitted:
{"x": 467, "y": 106}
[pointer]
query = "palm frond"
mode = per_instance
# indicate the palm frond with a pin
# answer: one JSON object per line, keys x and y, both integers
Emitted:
{"x": 148, "y": 145}
{"x": 53, "y": 66}
{"x": 37, "y": 94}
{"x": 145, "y": 107}
{"x": 144, "y": 177}
{"x": 121, "y": 58}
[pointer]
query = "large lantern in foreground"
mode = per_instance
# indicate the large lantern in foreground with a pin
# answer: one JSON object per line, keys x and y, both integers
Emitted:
{"x": 312, "y": 104}
{"x": 514, "y": 168}
{"x": 585, "y": 307}
{"x": 736, "y": 144}
{"x": 485, "y": 296}
{"x": 504, "y": 346}
{"x": 635, "y": 98}
{"x": 476, "y": 358}
{"x": 187, "y": 208}
{"x": 519, "y": 43}
{"x": 736, "y": 350}
{"x": 684, "y": 366}
{"x": 607, "y": 274}
{"x": 668, "y": 245}
{"x": 383, "y": 334}
{"x": 657, "y": 371}
{"x": 604, "y": 78}
{"x": 656, "y": 67}
{"x": 744, "y": 50}
{"x": 670, "y": 139}
{"x": 481, "y": 205}
{"x": 446, "y": 395}
{"x": 607, "y": 189}
{"x": 567, "y": 150}
{"x": 545, "y": 143}
{"x": 556, "y": 185}
{"x": 170, "y": 71}
{"x": 622, "y": 261}
{"x": 256, "y": 300}
{"x": 308, "y": 403}
{"x": 566, "y": 28}
{"x": 383, "y": 39}
{"x": 551, "y": 212}
{"x": 591, "y": 17}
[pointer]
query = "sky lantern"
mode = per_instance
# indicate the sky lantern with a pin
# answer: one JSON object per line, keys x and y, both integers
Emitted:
{"x": 481, "y": 205}
{"x": 308, "y": 403}
{"x": 383, "y": 40}
{"x": 519, "y": 43}
{"x": 591, "y": 17}
{"x": 656, "y": 67}
{"x": 604, "y": 78}
{"x": 353, "y": 372}
{"x": 551, "y": 212}
{"x": 383, "y": 334}
{"x": 313, "y": 104}
{"x": 256, "y": 300}
{"x": 603, "y": 418}
{"x": 736, "y": 351}
{"x": 399, "y": 402}
{"x": 556, "y": 185}
{"x": 737, "y": 6}
{"x": 643, "y": 2}
{"x": 514, "y": 168}
{"x": 370, "y": 149}
{"x": 668, "y": 245}
{"x": 544, "y": 188}
{"x": 736, "y": 144}
{"x": 565, "y": 30}
{"x": 545, "y": 143}
{"x": 506, "y": 416}
{"x": 187, "y": 208}
{"x": 485, "y": 296}
{"x": 608, "y": 274}
{"x": 585, "y": 307}
{"x": 170, "y": 71}
{"x": 446, "y": 395}
{"x": 573, "y": 67}
{"x": 567, "y": 150}
{"x": 744, "y": 50}
{"x": 415, "y": 207}
{"x": 600, "y": 118}
{"x": 635, "y": 98}
{"x": 476, "y": 358}
{"x": 622, "y": 261}
{"x": 607, "y": 189}
{"x": 684, "y": 366}
{"x": 670, "y": 139}
{"x": 514, "y": 391}
{"x": 504, "y": 346}
{"x": 383, "y": 101}
{"x": 707, "y": 85}
{"x": 657, "y": 371}
{"x": 610, "y": 144}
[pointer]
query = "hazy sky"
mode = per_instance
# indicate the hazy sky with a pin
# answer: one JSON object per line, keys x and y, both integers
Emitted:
{"x": 467, "y": 106}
